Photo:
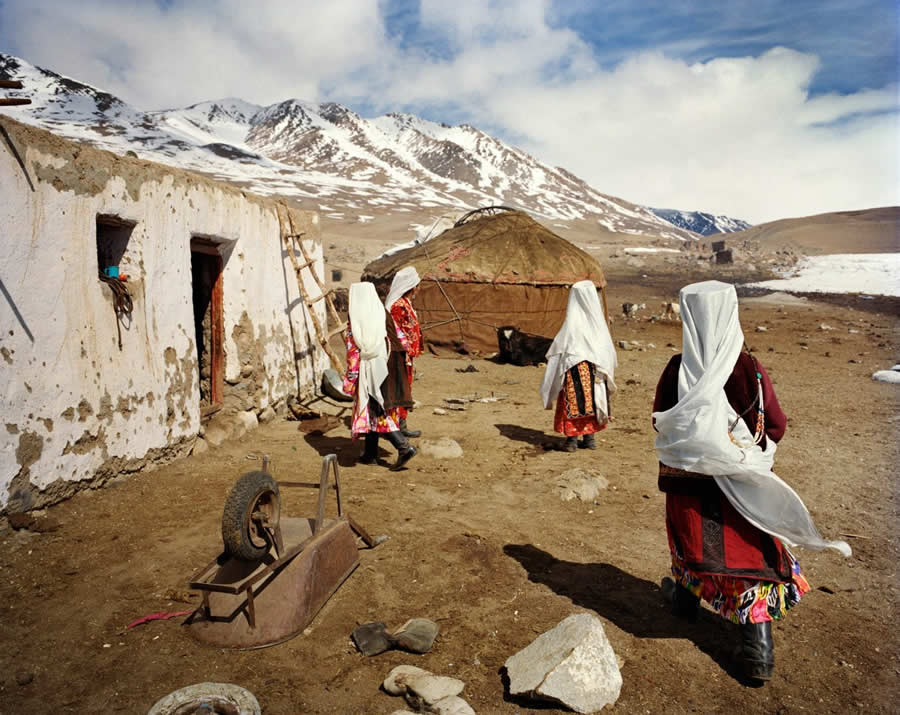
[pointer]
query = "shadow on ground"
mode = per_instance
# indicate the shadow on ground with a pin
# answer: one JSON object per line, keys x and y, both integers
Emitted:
{"x": 347, "y": 452}
{"x": 534, "y": 437}
{"x": 633, "y": 604}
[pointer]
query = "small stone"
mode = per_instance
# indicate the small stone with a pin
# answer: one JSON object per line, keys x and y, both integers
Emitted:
{"x": 440, "y": 411}
{"x": 432, "y": 688}
{"x": 443, "y": 448}
{"x": 825, "y": 326}
{"x": 266, "y": 415}
{"x": 453, "y": 705}
{"x": 581, "y": 484}
{"x": 23, "y": 677}
{"x": 200, "y": 446}
{"x": 761, "y": 329}
{"x": 246, "y": 421}
{"x": 396, "y": 681}
{"x": 623, "y": 345}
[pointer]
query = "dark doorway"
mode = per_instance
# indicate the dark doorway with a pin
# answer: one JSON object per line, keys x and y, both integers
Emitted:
{"x": 209, "y": 331}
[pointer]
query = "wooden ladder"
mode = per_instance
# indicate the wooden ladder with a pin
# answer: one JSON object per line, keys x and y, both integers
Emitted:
{"x": 289, "y": 237}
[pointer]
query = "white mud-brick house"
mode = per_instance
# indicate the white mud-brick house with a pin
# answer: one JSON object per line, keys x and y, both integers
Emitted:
{"x": 217, "y": 333}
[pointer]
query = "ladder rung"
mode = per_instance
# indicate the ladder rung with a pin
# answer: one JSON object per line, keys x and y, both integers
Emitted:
{"x": 335, "y": 331}
{"x": 318, "y": 298}
{"x": 305, "y": 265}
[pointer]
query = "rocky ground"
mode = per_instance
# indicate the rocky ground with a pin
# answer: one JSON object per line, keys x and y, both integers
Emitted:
{"x": 484, "y": 545}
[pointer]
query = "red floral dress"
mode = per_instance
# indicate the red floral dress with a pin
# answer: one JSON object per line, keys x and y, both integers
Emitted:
{"x": 575, "y": 411}
{"x": 407, "y": 321}
{"x": 369, "y": 419}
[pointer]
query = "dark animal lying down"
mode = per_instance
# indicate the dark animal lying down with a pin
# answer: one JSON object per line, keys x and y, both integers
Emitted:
{"x": 521, "y": 348}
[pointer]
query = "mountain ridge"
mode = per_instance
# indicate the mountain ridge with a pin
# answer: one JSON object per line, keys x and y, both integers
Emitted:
{"x": 327, "y": 156}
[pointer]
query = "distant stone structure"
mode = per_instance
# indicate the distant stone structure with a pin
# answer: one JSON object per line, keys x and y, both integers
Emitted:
{"x": 724, "y": 256}
{"x": 92, "y": 387}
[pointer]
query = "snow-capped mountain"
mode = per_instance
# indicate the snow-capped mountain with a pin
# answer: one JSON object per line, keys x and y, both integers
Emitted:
{"x": 703, "y": 223}
{"x": 327, "y": 157}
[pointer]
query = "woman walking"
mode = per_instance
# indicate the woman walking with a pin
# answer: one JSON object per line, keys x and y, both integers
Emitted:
{"x": 729, "y": 518}
{"x": 374, "y": 349}
{"x": 399, "y": 305}
{"x": 580, "y": 366}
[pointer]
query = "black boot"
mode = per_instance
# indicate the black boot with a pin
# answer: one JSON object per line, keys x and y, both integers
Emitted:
{"x": 405, "y": 451}
{"x": 588, "y": 441}
{"x": 684, "y": 603}
{"x": 570, "y": 445}
{"x": 370, "y": 453}
{"x": 758, "y": 650}
{"x": 408, "y": 432}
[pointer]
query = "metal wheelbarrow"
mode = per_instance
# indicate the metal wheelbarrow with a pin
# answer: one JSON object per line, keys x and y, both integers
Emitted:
{"x": 276, "y": 572}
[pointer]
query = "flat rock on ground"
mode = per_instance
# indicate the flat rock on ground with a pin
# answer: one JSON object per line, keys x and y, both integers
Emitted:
{"x": 573, "y": 664}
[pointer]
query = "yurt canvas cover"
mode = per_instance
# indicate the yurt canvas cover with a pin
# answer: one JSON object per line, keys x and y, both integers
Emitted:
{"x": 491, "y": 271}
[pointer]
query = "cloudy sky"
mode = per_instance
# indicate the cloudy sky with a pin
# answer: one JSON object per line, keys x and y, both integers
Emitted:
{"x": 758, "y": 109}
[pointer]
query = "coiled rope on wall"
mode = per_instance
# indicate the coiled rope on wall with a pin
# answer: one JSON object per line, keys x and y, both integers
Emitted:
{"x": 122, "y": 303}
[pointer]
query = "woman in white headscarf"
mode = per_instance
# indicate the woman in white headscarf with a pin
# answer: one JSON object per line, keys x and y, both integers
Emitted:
{"x": 399, "y": 303}
{"x": 729, "y": 518}
{"x": 580, "y": 366}
{"x": 380, "y": 387}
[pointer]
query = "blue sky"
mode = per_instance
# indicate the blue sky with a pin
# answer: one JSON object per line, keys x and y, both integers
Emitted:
{"x": 757, "y": 109}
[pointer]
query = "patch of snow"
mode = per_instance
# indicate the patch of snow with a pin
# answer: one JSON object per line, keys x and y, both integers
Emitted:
{"x": 892, "y": 375}
{"x": 638, "y": 249}
{"x": 868, "y": 273}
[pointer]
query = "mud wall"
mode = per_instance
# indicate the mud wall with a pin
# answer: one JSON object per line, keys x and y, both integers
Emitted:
{"x": 76, "y": 408}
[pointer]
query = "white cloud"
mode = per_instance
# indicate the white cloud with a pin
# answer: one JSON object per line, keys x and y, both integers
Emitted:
{"x": 738, "y": 136}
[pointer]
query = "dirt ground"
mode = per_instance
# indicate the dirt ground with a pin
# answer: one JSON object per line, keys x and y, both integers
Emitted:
{"x": 484, "y": 545}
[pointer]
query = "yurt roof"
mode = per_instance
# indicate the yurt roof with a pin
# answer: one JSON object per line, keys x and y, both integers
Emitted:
{"x": 507, "y": 247}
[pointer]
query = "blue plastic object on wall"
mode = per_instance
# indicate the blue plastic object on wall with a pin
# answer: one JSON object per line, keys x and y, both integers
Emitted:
{"x": 111, "y": 271}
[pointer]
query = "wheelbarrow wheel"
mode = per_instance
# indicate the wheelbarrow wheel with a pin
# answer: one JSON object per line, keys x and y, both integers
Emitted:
{"x": 253, "y": 505}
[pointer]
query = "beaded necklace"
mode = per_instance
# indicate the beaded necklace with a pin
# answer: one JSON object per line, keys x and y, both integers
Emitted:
{"x": 760, "y": 430}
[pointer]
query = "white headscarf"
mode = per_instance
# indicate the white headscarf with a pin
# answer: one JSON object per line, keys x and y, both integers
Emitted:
{"x": 584, "y": 336}
{"x": 367, "y": 323}
{"x": 404, "y": 281}
{"x": 693, "y": 435}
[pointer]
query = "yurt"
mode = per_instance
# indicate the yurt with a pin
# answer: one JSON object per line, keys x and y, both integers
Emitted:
{"x": 495, "y": 267}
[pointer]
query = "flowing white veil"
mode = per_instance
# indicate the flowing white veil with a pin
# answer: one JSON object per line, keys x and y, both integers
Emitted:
{"x": 367, "y": 323}
{"x": 693, "y": 435}
{"x": 584, "y": 336}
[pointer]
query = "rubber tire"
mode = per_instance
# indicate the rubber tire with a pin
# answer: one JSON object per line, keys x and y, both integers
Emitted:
{"x": 235, "y": 516}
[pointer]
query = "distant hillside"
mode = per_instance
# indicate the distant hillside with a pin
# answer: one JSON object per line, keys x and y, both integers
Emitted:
{"x": 700, "y": 222}
{"x": 866, "y": 231}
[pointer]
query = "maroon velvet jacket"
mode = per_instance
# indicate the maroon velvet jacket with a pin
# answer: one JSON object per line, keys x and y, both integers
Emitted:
{"x": 704, "y": 530}
{"x": 740, "y": 391}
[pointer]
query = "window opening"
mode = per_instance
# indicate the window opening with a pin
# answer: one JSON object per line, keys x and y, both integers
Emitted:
{"x": 113, "y": 234}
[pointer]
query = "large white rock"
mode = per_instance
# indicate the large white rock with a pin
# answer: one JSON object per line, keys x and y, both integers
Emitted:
{"x": 573, "y": 664}
{"x": 443, "y": 448}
